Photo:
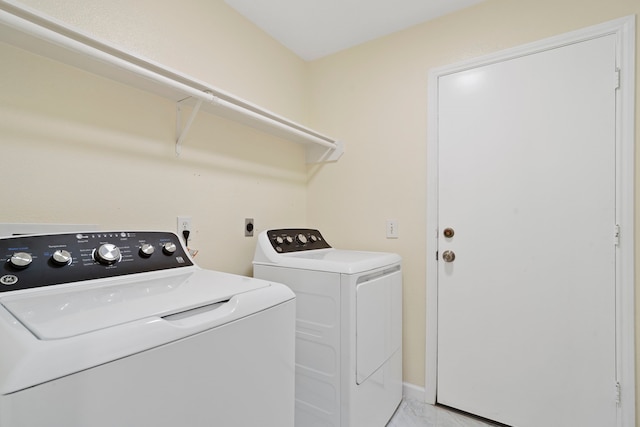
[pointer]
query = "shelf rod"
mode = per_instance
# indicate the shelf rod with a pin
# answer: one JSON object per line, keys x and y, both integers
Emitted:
{"x": 271, "y": 122}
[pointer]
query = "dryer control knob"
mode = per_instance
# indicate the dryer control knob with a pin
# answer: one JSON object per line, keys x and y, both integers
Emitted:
{"x": 20, "y": 260}
{"x": 313, "y": 238}
{"x": 301, "y": 239}
{"x": 279, "y": 240}
{"x": 107, "y": 254}
{"x": 61, "y": 257}
{"x": 288, "y": 240}
{"x": 169, "y": 248}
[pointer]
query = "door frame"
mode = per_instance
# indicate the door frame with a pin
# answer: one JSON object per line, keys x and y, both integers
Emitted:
{"x": 624, "y": 29}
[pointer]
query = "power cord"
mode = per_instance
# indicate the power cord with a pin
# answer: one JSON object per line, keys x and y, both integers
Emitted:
{"x": 185, "y": 234}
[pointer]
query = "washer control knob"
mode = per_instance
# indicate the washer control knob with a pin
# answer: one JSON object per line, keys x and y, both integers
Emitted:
{"x": 146, "y": 250}
{"x": 301, "y": 239}
{"x": 279, "y": 240}
{"x": 288, "y": 240}
{"x": 169, "y": 248}
{"x": 61, "y": 257}
{"x": 107, "y": 254}
{"x": 20, "y": 260}
{"x": 313, "y": 238}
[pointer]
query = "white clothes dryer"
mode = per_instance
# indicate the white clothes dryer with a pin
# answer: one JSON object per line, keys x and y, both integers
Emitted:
{"x": 107, "y": 329}
{"x": 348, "y": 327}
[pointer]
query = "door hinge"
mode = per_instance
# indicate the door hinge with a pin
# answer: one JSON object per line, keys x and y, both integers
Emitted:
{"x": 618, "y": 393}
{"x": 616, "y": 235}
{"x": 616, "y": 79}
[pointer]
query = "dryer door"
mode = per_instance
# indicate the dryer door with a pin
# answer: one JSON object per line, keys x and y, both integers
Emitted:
{"x": 378, "y": 320}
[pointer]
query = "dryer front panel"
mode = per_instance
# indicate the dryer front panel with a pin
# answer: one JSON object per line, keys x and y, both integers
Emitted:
{"x": 378, "y": 320}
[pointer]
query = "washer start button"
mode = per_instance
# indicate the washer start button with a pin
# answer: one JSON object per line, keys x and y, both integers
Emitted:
{"x": 8, "y": 279}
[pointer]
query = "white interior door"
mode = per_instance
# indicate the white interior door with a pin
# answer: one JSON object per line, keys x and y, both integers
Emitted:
{"x": 526, "y": 311}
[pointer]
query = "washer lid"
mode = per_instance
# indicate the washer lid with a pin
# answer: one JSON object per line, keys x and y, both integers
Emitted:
{"x": 76, "y": 310}
{"x": 336, "y": 260}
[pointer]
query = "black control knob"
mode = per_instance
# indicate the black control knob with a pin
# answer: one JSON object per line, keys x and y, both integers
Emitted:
{"x": 288, "y": 240}
{"x": 169, "y": 248}
{"x": 146, "y": 250}
{"x": 279, "y": 240}
{"x": 20, "y": 260}
{"x": 107, "y": 254}
{"x": 61, "y": 257}
{"x": 301, "y": 239}
{"x": 313, "y": 238}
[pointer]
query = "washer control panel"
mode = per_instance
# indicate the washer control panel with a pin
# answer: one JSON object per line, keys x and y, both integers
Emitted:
{"x": 32, "y": 261}
{"x": 296, "y": 239}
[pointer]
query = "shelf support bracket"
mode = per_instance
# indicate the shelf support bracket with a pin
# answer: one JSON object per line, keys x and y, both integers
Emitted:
{"x": 181, "y": 132}
{"x": 319, "y": 154}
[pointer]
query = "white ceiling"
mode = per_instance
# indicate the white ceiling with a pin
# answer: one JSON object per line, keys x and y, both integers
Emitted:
{"x": 315, "y": 28}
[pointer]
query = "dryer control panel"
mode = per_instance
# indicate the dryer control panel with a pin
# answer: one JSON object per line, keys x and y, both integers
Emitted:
{"x": 286, "y": 240}
{"x": 32, "y": 261}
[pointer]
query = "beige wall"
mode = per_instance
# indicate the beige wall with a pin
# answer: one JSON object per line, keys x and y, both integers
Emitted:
{"x": 81, "y": 149}
{"x": 375, "y": 98}
{"x": 78, "y": 148}
{"x": 205, "y": 39}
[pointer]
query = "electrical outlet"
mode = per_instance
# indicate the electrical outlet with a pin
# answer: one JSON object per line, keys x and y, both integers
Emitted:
{"x": 184, "y": 223}
{"x": 248, "y": 227}
{"x": 392, "y": 229}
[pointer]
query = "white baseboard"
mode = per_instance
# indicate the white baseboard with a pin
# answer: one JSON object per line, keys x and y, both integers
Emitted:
{"x": 414, "y": 392}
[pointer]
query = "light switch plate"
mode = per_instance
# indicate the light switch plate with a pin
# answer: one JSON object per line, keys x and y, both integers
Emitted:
{"x": 392, "y": 229}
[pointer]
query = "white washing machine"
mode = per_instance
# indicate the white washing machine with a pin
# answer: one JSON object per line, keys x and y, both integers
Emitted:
{"x": 107, "y": 329}
{"x": 348, "y": 327}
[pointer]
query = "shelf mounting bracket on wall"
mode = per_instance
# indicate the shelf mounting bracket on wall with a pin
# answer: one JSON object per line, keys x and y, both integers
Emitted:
{"x": 181, "y": 132}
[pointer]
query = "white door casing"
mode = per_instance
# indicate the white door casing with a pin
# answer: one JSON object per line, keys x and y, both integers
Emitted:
{"x": 621, "y": 35}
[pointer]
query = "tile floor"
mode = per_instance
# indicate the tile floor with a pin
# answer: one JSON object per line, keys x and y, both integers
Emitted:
{"x": 412, "y": 413}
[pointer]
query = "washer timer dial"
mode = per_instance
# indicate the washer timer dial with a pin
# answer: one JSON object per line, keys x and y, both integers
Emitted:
{"x": 107, "y": 254}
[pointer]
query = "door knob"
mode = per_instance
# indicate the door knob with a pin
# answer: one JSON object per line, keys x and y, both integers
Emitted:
{"x": 448, "y": 256}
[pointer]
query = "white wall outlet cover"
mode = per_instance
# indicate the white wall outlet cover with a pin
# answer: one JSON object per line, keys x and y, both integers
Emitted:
{"x": 184, "y": 223}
